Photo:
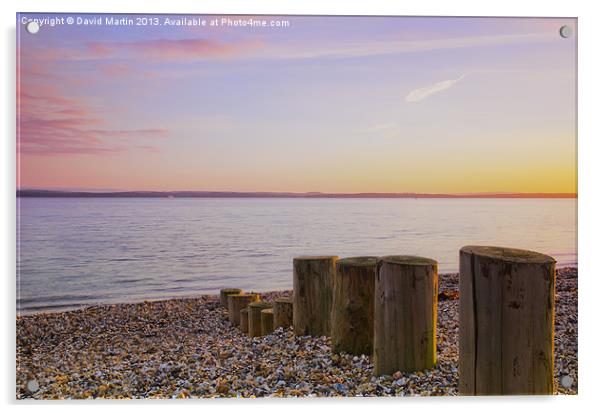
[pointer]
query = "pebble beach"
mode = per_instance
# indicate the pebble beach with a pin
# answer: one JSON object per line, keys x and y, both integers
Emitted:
{"x": 187, "y": 348}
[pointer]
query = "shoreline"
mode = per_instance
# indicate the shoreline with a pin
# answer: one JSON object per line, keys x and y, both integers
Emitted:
{"x": 185, "y": 347}
{"x": 79, "y": 307}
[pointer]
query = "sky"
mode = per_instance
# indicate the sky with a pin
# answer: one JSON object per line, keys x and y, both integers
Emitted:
{"x": 324, "y": 104}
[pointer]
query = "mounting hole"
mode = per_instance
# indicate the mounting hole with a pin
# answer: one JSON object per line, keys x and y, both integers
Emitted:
{"x": 32, "y": 27}
{"x": 566, "y": 31}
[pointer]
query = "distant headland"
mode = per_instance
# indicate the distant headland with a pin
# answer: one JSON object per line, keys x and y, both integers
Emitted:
{"x": 41, "y": 193}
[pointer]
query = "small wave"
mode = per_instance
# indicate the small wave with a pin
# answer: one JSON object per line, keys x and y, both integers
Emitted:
{"x": 131, "y": 280}
{"x": 50, "y": 308}
{"x": 186, "y": 280}
{"x": 168, "y": 289}
{"x": 54, "y": 298}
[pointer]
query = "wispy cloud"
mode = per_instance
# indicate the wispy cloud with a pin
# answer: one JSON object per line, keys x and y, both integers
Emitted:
{"x": 384, "y": 129}
{"x": 395, "y": 46}
{"x": 422, "y": 93}
{"x": 188, "y": 49}
{"x": 158, "y": 50}
{"x": 50, "y": 124}
{"x": 168, "y": 49}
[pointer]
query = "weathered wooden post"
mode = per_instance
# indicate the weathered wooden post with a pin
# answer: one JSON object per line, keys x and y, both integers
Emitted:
{"x": 244, "y": 320}
{"x": 255, "y": 317}
{"x": 405, "y": 314}
{"x": 283, "y": 312}
{"x": 237, "y": 302}
{"x": 267, "y": 321}
{"x": 506, "y": 321}
{"x": 353, "y": 306}
{"x": 224, "y": 293}
{"x": 312, "y": 294}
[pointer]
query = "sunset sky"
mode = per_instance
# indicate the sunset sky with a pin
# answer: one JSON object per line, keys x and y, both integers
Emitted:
{"x": 330, "y": 104}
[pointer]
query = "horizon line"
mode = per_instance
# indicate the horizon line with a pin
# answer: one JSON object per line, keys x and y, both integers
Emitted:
{"x": 281, "y": 194}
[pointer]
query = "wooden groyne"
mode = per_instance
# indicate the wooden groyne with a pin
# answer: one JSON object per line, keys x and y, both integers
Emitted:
{"x": 386, "y": 308}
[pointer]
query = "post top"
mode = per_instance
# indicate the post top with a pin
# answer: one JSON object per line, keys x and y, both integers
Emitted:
{"x": 512, "y": 255}
{"x": 407, "y": 260}
{"x": 260, "y": 304}
{"x": 357, "y": 262}
{"x": 316, "y": 258}
{"x": 230, "y": 290}
{"x": 241, "y": 294}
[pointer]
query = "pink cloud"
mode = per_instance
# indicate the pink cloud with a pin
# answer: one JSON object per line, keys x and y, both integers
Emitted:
{"x": 72, "y": 112}
{"x": 36, "y": 70}
{"x": 157, "y": 49}
{"x": 98, "y": 49}
{"x": 166, "y": 49}
{"x": 71, "y": 136}
{"x": 27, "y": 99}
{"x": 159, "y": 132}
{"x": 122, "y": 69}
{"x": 51, "y": 124}
{"x": 116, "y": 69}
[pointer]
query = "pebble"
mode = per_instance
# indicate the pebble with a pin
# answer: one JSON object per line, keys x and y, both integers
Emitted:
{"x": 186, "y": 348}
{"x": 340, "y": 388}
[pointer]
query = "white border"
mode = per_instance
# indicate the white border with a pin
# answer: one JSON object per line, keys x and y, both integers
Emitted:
{"x": 589, "y": 184}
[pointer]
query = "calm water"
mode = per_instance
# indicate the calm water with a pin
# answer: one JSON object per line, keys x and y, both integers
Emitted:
{"x": 75, "y": 252}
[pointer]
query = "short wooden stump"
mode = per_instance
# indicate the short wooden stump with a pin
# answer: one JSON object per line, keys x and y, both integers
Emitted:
{"x": 353, "y": 306}
{"x": 237, "y": 302}
{"x": 405, "y": 314}
{"x": 255, "y": 317}
{"x": 312, "y": 294}
{"x": 244, "y": 320}
{"x": 224, "y": 293}
{"x": 267, "y": 321}
{"x": 283, "y": 312}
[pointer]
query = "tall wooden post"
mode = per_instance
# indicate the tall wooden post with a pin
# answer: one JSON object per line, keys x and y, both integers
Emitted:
{"x": 237, "y": 302}
{"x": 405, "y": 314}
{"x": 506, "y": 321}
{"x": 283, "y": 312}
{"x": 224, "y": 293}
{"x": 255, "y": 317}
{"x": 353, "y": 306}
{"x": 312, "y": 294}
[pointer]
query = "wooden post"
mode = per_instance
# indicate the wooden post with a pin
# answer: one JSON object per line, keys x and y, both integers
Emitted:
{"x": 267, "y": 321}
{"x": 237, "y": 302}
{"x": 224, "y": 293}
{"x": 312, "y": 294}
{"x": 244, "y": 320}
{"x": 283, "y": 312}
{"x": 506, "y": 321}
{"x": 255, "y": 317}
{"x": 405, "y": 314}
{"x": 353, "y": 306}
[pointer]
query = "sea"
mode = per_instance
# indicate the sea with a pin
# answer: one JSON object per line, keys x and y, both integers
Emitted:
{"x": 74, "y": 252}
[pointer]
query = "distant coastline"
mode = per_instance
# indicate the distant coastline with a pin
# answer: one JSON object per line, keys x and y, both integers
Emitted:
{"x": 41, "y": 193}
